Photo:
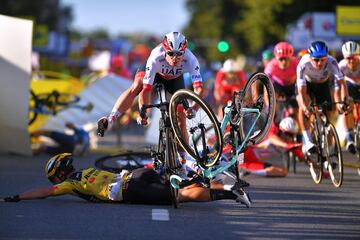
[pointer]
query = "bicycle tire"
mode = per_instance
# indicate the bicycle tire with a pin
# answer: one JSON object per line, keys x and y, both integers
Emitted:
{"x": 316, "y": 163}
{"x": 195, "y": 127}
{"x": 171, "y": 165}
{"x": 264, "y": 101}
{"x": 33, "y": 107}
{"x": 125, "y": 160}
{"x": 334, "y": 156}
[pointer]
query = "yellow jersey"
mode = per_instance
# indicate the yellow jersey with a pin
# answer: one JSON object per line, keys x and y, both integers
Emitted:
{"x": 93, "y": 185}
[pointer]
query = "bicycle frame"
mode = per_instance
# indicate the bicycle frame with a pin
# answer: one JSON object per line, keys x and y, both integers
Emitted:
{"x": 213, "y": 171}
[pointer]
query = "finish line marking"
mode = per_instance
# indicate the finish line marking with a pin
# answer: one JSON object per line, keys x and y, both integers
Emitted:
{"x": 160, "y": 215}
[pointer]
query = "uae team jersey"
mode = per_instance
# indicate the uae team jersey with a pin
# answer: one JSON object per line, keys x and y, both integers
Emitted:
{"x": 306, "y": 72}
{"x": 156, "y": 64}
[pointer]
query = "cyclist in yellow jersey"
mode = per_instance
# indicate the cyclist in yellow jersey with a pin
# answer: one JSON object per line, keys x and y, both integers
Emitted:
{"x": 141, "y": 186}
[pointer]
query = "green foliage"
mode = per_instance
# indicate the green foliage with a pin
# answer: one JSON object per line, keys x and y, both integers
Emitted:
{"x": 248, "y": 25}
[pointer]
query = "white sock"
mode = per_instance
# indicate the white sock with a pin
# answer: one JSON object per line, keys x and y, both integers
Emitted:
{"x": 261, "y": 172}
{"x": 306, "y": 136}
{"x": 228, "y": 187}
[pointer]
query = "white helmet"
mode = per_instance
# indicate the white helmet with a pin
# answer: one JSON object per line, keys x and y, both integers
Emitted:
{"x": 174, "y": 41}
{"x": 229, "y": 66}
{"x": 289, "y": 125}
{"x": 350, "y": 48}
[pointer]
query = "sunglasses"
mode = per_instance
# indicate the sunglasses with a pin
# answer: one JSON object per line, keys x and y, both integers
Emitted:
{"x": 174, "y": 53}
{"x": 281, "y": 59}
{"x": 352, "y": 58}
{"x": 319, "y": 59}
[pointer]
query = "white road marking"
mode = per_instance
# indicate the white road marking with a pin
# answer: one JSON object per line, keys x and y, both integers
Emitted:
{"x": 160, "y": 215}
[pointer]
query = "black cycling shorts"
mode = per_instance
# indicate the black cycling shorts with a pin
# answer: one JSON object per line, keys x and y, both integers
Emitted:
{"x": 321, "y": 92}
{"x": 354, "y": 90}
{"x": 145, "y": 187}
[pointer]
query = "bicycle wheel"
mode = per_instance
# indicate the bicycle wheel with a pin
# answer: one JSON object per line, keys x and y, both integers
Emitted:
{"x": 334, "y": 156}
{"x": 170, "y": 164}
{"x": 33, "y": 107}
{"x": 126, "y": 160}
{"x": 203, "y": 125}
{"x": 315, "y": 159}
{"x": 258, "y": 94}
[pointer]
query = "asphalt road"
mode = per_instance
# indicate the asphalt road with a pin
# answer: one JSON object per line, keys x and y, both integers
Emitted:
{"x": 283, "y": 208}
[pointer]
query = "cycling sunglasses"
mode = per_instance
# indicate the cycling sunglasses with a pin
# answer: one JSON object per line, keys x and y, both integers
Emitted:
{"x": 323, "y": 59}
{"x": 175, "y": 53}
{"x": 282, "y": 59}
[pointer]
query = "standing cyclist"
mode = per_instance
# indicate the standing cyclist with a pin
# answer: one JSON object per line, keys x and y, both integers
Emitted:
{"x": 318, "y": 78}
{"x": 350, "y": 66}
{"x": 167, "y": 64}
{"x": 282, "y": 72}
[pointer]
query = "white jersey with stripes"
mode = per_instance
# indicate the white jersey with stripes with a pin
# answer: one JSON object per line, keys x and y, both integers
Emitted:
{"x": 156, "y": 64}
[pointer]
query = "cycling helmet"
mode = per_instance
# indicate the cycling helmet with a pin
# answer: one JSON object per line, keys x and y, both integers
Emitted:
{"x": 350, "y": 48}
{"x": 60, "y": 162}
{"x": 289, "y": 125}
{"x": 229, "y": 66}
{"x": 174, "y": 41}
{"x": 283, "y": 49}
{"x": 267, "y": 55}
{"x": 318, "y": 49}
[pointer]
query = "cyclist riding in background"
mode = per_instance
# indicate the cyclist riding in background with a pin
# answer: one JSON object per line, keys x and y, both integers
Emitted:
{"x": 282, "y": 72}
{"x": 318, "y": 75}
{"x": 141, "y": 186}
{"x": 350, "y": 66}
{"x": 228, "y": 79}
{"x": 266, "y": 57}
{"x": 167, "y": 64}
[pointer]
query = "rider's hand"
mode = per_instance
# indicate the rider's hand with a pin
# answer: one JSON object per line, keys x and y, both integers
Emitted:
{"x": 190, "y": 113}
{"x": 15, "y": 198}
{"x": 142, "y": 120}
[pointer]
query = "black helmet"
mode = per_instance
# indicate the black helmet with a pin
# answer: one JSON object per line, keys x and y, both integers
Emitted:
{"x": 60, "y": 162}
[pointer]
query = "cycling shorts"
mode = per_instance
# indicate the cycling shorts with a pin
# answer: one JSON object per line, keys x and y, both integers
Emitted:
{"x": 145, "y": 186}
{"x": 354, "y": 90}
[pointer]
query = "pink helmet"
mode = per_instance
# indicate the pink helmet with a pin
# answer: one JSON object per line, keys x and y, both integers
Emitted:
{"x": 283, "y": 49}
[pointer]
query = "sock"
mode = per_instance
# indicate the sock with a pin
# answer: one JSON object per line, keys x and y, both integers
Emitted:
{"x": 261, "y": 172}
{"x": 228, "y": 187}
{"x": 349, "y": 135}
{"x": 306, "y": 136}
{"x": 216, "y": 194}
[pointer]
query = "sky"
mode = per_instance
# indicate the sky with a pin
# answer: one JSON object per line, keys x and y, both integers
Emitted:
{"x": 128, "y": 16}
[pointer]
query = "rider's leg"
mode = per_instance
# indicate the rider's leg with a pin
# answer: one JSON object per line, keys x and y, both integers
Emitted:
{"x": 304, "y": 126}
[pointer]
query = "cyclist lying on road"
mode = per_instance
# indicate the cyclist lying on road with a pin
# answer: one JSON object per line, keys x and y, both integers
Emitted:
{"x": 141, "y": 186}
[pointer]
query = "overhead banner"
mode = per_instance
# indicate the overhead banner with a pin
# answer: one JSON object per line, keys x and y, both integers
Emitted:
{"x": 348, "y": 20}
{"x": 15, "y": 69}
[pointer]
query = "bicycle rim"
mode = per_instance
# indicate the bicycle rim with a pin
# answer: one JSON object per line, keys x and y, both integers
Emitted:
{"x": 33, "y": 107}
{"x": 126, "y": 160}
{"x": 258, "y": 93}
{"x": 334, "y": 156}
{"x": 203, "y": 126}
{"x": 315, "y": 159}
{"x": 171, "y": 166}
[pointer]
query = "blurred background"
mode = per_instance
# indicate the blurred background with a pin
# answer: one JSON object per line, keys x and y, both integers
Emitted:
{"x": 75, "y": 43}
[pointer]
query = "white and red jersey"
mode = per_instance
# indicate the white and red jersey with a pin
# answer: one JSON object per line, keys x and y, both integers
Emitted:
{"x": 351, "y": 76}
{"x": 306, "y": 72}
{"x": 156, "y": 64}
{"x": 284, "y": 77}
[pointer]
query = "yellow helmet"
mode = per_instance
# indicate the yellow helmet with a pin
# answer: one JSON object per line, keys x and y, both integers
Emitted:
{"x": 60, "y": 162}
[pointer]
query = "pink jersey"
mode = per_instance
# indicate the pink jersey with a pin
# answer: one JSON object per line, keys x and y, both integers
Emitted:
{"x": 284, "y": 77}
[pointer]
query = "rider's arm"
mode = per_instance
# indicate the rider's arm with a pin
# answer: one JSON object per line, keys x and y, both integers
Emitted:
{"x": 42, "y": 192}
